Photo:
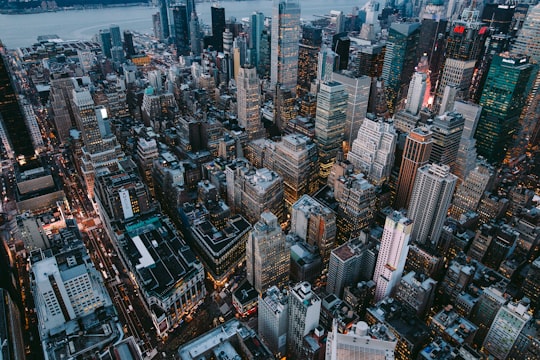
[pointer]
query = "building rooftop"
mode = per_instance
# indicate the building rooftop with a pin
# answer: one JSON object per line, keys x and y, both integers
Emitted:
{"x": 218, "y": 241}
{"x": 456, "y": 327}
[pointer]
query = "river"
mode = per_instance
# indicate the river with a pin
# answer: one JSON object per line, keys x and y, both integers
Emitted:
{"x": 23, "y": 30}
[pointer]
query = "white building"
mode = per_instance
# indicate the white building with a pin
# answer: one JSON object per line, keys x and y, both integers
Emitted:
{"x": 304, "y": 312}
{"x": 392, "y": 254}
{"x": 273, "y": 318}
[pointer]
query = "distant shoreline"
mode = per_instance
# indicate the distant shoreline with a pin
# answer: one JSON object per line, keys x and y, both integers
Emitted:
{"x": 39, "y": 10}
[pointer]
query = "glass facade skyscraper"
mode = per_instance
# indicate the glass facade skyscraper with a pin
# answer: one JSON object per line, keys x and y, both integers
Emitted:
{"x": 503, "y": 98}
{"x": 285, "y": 38}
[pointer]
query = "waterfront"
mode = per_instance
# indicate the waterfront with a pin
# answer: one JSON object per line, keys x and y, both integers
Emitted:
{"x": 22, "y": 30}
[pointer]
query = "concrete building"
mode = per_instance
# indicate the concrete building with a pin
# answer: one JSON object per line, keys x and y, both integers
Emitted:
{"x": 466, "y": 156}
{"x": 470, "y": 191}
{"x": 267, "y": 254}
{"x": 430, "y": 199}
{"x": 314, "y": 224}
{"x": 447, "y": 129}
{"x": 373, "y": 150}
{"x": 304, "y": 310}
{"x": 273, "y": 319}
{"x": 506, "y": 327}
{"x": 392, "y": 254}
{"x": 417, "y": 291}
{"x": 361, "y": 342}
{"x": 248, "y": 98}
{"x": 453, "y": 328}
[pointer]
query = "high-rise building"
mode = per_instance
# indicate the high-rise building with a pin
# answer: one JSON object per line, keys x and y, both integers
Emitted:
{"x": 507, "y": 325}
{"x": 273, "y": 319}
{"x": 357, "y": 89}
{"x": 164, "y": 19}
{"x": 487, "y": 307}
{"x": 531, "y": 285}
{"x": 11, "y": 328}
{"x": 341, "y": 44}
{"x": 248, "y": 97}
{"x": 417, "y": 291}
{"x": 466, "y": 156}
{"x": 432, "y": 38}
{"x": 315, "y": 224}
{"x": 309, "y": 47}
{"x": 503, "y": 99}
{"x": 470, "y": 191}
{"x": 526, "y": 42}
{"x": 430, "y": 199}
{"x": 180, "y": 28}
{"x": 256, "y": 29}
{"x": 116, "y": 38}
{"x": 447, "y": 130}
{"x": 373, "y": 149}
{"x": 267, "y": 254}
{"x": 60, "y": 94}
{"x": 399, "y": 61}
{"x": 218, "y": 26}
{"x": 417, "y": 93}
{"x": 105, "y": 42}
{"x": 330, "y": 124}
{"x": 195, "y": 34}
{"x": 415, "y": 155}
{"x": 392, "y": 254}
{"x": 361, "y": 342}
{"x": 304, "y": 310}
{"x": 284, "y": 110}
{"x": 285, "y": 38}
{"x": 129, "y": 46}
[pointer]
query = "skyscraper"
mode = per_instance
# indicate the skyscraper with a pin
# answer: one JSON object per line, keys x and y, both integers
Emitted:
{"x": 447, "y": 130}
{"x": 116, "y": 38}
{"x": 415, "y": 155}
{"x": 304, "y": 310}
{"x": 416, "y": 93}
{"x": 392, "y": 254}
{"x": 470, "y": 191}
{"x": 105, "y": 42}
{"x": 164, "y": 19}
{"x": 195, "y": 34}
{"x": 180, "y": 29}
{"x": 129, "y": 47}
{"x": 466, "y": 156}
{"x": 218, "y": 26}
{"x": 307, "y": 58}
{"x": 256, "y": 29}
{"x": 399, "y": 61}
{"x": 248, "y": 98}
{"x": 373, "y": 150}
{"x": 330, "y": 124}
{"x": 285, "y": 38}
{"x": 341, "y": 44}
{"x": 267, "y": 254}
{"x": 273, "y": 319}
{"x": 430, "y": 199}
{"x": 503, "y": 99}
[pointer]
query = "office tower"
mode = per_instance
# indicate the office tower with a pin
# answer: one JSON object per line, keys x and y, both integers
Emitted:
{"x": 399, "y": 61}
{"x": 117, "y": 54}
{"x": 100, "y": 148}
{"x": 417, "y": 291}
{"x": 264, "y": 64}
{"x": 304, "y": 309}
{"x": 60, "y": 93}
{"x": 105, "y": 42}
{"x": 392, "y": 254}
{"x": 531, "y": 285}
{"x": 293, "y": 158}
{"x": 218, "y": 26}
{"x": 308, "y": 51}
{"x": 446, "y": 130}
{"x": 499, "y": 16}
{"x": 357, "y": 89}
{"x": 259, "y": 190}
{"x": 240, "y": 58}
{"x": 361, "y": 342}
{"x": 526, "y": 42}
{"x": 116, "y": 38}
{"x": 415, "y": 155}
{"x": 452, "y": 327}
{"x": 227, "y": 42}
{"x": 273, "y": 319}
{"x": 11, "y": 328}
{"x": 487, "y": 307}
{"x": 433, "y": 39}
{"x": 503, "y": 99}
{"x": 330, "y": 124}
{"x": 507, "y": 325}
{"x": 248, "y": 97}
{"x": 284, "y": 110}
{"x": 129, "y": 47}
{"x": 314, "y": 224}
{"x": 430, "y": 199}
{"x": 373, "y": 150}
{"x": 190, "y": 8}
{"x": 360, "y": 296}
{"x": 256, "y": 26}
{"x": 327, "y": 62}
{"x": 416, "y": 96}
{"x": 285, "y": 38}
{"x": 164, "y": 19}
{"x": 267, "y": 254}
{"x": 470, "y": 191}
{"x": 180, "y": 29}
{"x": 458, "y": 74}
{"x": 156, "y": 25}
{"x": 356, "y": 203}
{"x": 341, "y": 45}
{"x": 147, "y": 152}
{"x": 466, "y": 156}
{"x": 369, "y": 60}
{"x": 195, "y": 34}
{"x": 346, "y": 264}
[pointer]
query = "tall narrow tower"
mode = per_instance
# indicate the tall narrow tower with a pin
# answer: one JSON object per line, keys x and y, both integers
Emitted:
{"x": 267, "y": 254}
{"x": 431, "y": 196}
{"x": 416, "y": 154}
{"x": 248, "y": 95}
{"x": 285, "y": 38}
{"x": 392, "y": 254}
